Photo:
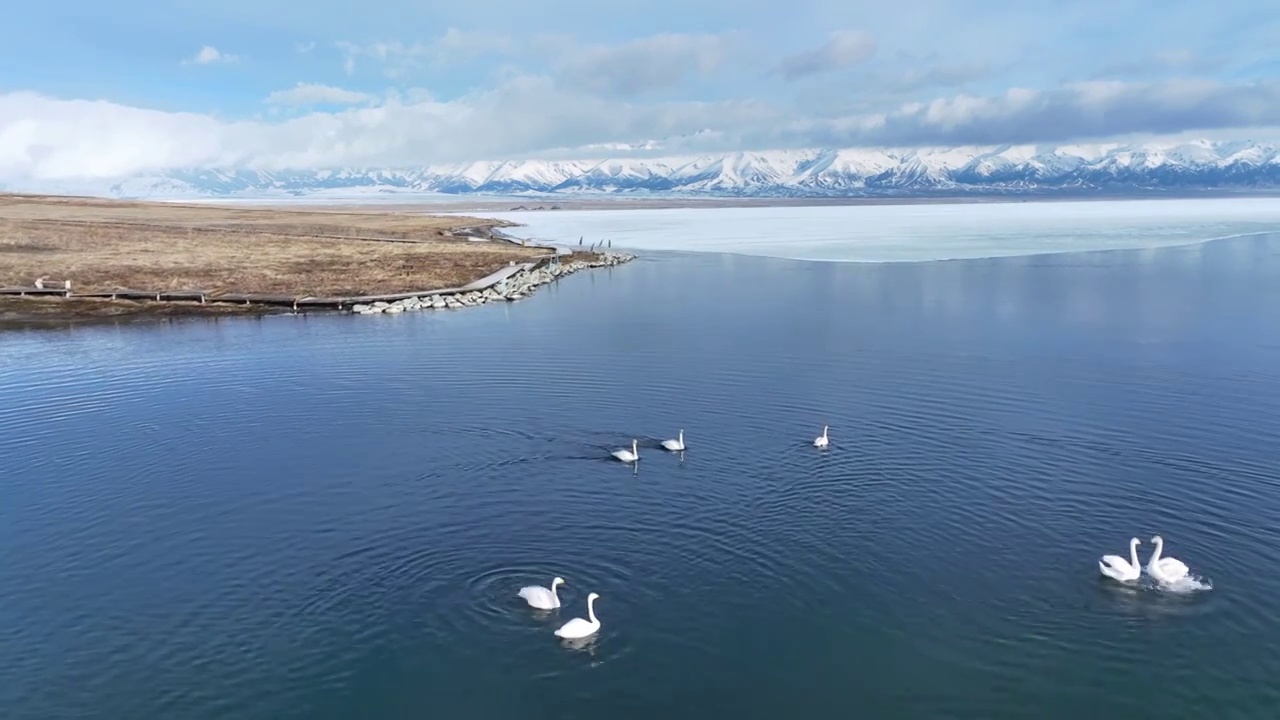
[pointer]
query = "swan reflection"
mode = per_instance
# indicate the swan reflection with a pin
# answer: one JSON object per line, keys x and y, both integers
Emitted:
{"x": 584, "y": 644}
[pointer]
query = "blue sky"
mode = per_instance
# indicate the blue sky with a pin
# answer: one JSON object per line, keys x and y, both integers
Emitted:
{"x": 396, "y": 82}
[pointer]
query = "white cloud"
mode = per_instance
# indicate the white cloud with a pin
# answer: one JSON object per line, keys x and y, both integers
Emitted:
{"x": 43, "y": 138}
{"x": 304, "y": 94}
{"x": 209, "y": 55}
{"x": 470, "y": 44}
{"x": 843, "y": 49}
{"x": 1162, "y": 63}
{"x": 652, "y": 63}
{"x": 397, "y": 59}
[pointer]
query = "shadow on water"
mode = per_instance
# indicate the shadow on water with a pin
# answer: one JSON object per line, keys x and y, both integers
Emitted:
{"x": 587, "y": 644}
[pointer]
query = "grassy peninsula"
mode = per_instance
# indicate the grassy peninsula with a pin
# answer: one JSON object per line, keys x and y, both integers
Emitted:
{"x": 217, "y": 251}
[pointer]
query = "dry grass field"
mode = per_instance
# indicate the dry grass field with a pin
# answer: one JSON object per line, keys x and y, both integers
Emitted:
{"x": 103, "y": 245}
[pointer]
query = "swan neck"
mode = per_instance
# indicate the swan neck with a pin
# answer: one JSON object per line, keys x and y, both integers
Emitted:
{"x": 1155, "y": 556}
{"x": 591, "y": 610}
{"x": 1133, "y": 554}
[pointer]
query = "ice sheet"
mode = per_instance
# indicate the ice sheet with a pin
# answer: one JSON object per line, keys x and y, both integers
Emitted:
{"x": 918, "y": 232}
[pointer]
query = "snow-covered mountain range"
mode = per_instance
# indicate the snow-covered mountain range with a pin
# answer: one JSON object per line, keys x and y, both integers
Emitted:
{"x": 1189, "y": 167}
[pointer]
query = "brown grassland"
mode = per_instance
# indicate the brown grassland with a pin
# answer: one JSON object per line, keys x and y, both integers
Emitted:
{"x": 103, "y": 245}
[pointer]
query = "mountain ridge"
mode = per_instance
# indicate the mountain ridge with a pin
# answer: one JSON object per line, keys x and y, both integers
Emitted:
{"x": 997, "y": 170}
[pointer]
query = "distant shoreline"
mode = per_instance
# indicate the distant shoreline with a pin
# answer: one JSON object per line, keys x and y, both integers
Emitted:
{"x": 203, "y": 259}
{"x": 519, "y": 203}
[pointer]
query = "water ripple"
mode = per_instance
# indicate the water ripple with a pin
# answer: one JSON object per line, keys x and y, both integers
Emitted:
{"x": 331, "y": 518}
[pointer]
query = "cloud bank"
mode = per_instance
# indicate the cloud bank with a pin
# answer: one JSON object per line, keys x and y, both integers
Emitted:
{"x": 49, "y": 138}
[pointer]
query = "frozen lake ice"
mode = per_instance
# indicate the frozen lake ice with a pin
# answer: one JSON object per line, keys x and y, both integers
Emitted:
{"x": 917, "y": 232}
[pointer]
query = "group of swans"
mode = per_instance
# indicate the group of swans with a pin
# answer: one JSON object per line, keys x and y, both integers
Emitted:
{"x": 632, "y": 455}
{"x": 677, "y": 445}
{"x": 544, "y": 599}
{"x": 1165, "y": 570}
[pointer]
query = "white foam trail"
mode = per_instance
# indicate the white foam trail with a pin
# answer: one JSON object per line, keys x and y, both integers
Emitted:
{"x": 896, "y": 233}
{"x": 1189, "y": 583}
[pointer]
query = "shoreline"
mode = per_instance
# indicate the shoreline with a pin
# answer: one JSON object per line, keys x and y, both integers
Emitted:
{"x": 510, "y": 287}
{"x": 68, "y": 261}
{"x": 56, "y": 312}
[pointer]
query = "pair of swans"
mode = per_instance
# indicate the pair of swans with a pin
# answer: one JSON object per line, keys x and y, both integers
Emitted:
{"x": 544, "y": 599}
{"x": 632, "y": 455}
{"x": 1164, "y": 569}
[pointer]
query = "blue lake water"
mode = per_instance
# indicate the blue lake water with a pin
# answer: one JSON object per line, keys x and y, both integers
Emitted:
{"x": 329, "y": 517}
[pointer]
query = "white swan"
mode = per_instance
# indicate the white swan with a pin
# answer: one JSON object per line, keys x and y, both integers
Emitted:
{"x": 540, "y": 597}
{"x": 579, "y": 628}
{"x": 675, "y": 445}
{"x": 1167, "y": 569}
{"x": 821, "y": 440}
{"x": 1117, "y": 568}
{"x": 631, "y": 455}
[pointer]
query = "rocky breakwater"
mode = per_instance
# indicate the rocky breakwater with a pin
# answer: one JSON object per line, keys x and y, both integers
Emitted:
{"x": 515, "y": 287}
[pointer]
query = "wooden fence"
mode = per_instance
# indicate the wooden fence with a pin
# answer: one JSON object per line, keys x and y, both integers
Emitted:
{"x": 296, "y": 302}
